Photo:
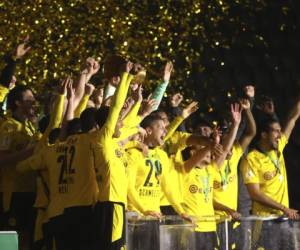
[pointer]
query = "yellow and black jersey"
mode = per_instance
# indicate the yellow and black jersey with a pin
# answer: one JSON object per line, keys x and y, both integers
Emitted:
{"x": 226, "y": 181}
{"x": 148, "y": 176}
{"x": 72, "y": 178}
{"x": 198, "y": 196}
{"x": 111, "y": 171}
{"x": 15, "y": 136}
{"x": 268, "y": 170}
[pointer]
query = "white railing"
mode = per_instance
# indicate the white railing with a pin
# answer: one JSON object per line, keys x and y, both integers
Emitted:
{"x": 173, "y": 233}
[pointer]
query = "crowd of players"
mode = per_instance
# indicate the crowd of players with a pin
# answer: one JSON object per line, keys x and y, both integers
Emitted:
{"x": 68, "y": 178}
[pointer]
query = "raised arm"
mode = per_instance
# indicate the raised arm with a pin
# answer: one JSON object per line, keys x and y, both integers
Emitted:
{"x": 291, "y": 121}
{"x": 88, "y": 91}
{"x": 90, "y": 68}
{"x": 69, "y": 115}
{"x": 250, "y": 131}
{"x": 10, "y": 67}
{"x": 117, "y": 102}
{"x": 159, "y": 91}
{"x": 186, "y": 112}
{"x": 229, "y": 138}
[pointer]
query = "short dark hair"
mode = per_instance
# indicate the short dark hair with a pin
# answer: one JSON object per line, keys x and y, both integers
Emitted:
{"x": 88, "y": 119}
{"x": 15, "y": 95}
{"x": 150, "y": 119}
{"x": 101, "y": 116}
{"x": 265, "y": 123}
{"x": 73, "y": 127}
{"x": 53, "y": 135}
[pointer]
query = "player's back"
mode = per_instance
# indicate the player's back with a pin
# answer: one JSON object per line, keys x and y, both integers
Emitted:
{"x": 72, "y": 177}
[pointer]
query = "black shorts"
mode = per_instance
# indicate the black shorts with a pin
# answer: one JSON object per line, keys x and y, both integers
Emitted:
{"x": 168, "y": 210}
{"x": 72, "y": 230}
{"x": 206, "y": 240}
{"x": 109, "y": 226}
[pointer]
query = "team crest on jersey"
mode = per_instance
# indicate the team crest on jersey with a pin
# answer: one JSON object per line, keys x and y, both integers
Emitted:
{"x": 193, "y": 189}
{"x": 269, "y": 175}
{"x": 118, "y": 153}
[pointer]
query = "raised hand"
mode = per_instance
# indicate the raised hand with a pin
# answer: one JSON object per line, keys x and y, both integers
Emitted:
{"x": 216, "y": 135}
{"x": 245, "y": 104}
{"x": 218, "y": 150}
{"x": 168, "y": 71}
{"x": 89, "y": 89}
{"x": 98, "y": 97}
{"x": 137, "y": 94}
{"x": 147, "y": 106}
{"x": 64, "y": 86}
{"x": 129, "y": 66}
{"x": 249, "y": 91}
{"x": 70, "y": 90}
{"x": 22, "y": 48}
{"x": 236, "y": 115}
{"x": 176, "y": 99}
{"x": 189, "y": 109}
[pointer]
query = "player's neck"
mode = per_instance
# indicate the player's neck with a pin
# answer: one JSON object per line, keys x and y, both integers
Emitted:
{"x": 149, "y": 143}
{"x": 19, "y": 116}
{"x": 264, "y": 146}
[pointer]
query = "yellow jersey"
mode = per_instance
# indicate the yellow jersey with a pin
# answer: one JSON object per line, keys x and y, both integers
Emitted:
{"x": 226, "y": 181}
{"x": 268, "y": 170}
{"x": 42, "y": 179}
{"x": 110, "y": 168}
{"x": 148, "y": 177}
{"x": 15, "y": 136}
{"x": 3, "y": 92}
{"x": 72, "y": 178}
{"x": 173, "y": 147}
{"x": 198, "y": 196}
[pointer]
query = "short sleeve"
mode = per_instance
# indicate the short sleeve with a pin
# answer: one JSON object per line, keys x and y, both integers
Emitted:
{"x": 249, "y": 171}
{"x": 237, "y": 150}
{"x": 282, "y": 143}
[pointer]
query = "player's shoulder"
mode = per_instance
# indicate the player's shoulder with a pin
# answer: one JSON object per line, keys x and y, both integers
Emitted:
{"x": 134, "y": 151}
{"x": 10, "y": 125}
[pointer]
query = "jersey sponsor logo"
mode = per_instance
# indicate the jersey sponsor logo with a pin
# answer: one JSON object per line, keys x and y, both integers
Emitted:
{"x": 218, "y": 184}
{"x": 269, "y": 175}
{"x": 118, "y": 153}
{"x": 195, "y": 189}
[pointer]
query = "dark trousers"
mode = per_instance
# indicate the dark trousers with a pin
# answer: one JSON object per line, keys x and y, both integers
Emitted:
{"x": 103, "y": 223}
{"x": 73, "y": 230}
{"x": 206, "y": 240}
{"x": 20, "y": 217}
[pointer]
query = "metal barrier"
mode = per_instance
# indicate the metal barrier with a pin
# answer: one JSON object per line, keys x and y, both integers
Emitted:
{"x": 171, "y": 232}
{"x": 250, "y": 233}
